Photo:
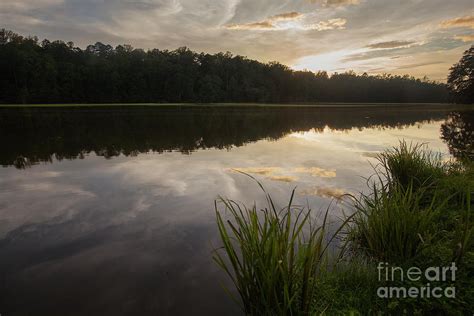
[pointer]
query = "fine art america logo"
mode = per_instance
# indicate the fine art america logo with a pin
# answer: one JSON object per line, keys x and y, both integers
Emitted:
{"x": 436, "y": 281}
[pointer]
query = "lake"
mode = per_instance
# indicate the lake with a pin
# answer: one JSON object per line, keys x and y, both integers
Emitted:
{"x": 110, "y": 210}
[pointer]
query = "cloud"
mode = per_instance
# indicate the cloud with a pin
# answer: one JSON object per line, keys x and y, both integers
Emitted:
{"x": 264, "y": 25}
{"x": 43, "y": 198}
{"x": 286, "y": 16}
{"x": 267, "y": 24}
{"x": 290, "y": 20}
{"x": 465, "y": 21}
{"x": 278, "y": 174}
{"x": 465, "y": 38}
{"x": 283, "y": 178}
{"x": 316, "y": 172}
{"x": 268, "y": 172}
{"x": 410, "y": 66}
{"x": 28, "y": 4}
{"x": 331, "y": 24}
{"x": 336, "y": 3}
{"x": 373, "y": 54}
{"x": 326, "y": 192}
{"x": 390, "y": 44}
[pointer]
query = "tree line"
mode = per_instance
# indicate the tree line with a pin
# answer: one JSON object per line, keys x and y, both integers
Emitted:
{"x": 34, "y": 71}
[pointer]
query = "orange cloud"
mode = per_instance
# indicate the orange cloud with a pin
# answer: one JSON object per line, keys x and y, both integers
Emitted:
{"x": 331, "y": 24}
{"x": 465, "y": 21}
{"x": 283, "y": 178}
{"x": 465, "y": 38}
{"x": 266, "y": 24}
{"x": 316, "y": 172}
{"x": 286, "y": 16}
{"x": 326, "y": 192}
{"x": 267, "y": 172}
{"x": 280, "y": 22}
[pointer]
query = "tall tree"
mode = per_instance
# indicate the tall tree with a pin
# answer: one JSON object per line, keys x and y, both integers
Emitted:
{"x": 461, "y": 78}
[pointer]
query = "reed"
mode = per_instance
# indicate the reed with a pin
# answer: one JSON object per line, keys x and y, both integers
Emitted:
{"x": 411, "y": 166}
{"x": 413, "y": 198}
{"x": 395, "y": 225}
{"x": 273, "y": 256}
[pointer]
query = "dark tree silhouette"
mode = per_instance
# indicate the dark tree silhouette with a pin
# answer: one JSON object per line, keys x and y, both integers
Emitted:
{"x": 458, "y": 133}
{"x": 461, "y": 78}
{"x": 59, "y": 72}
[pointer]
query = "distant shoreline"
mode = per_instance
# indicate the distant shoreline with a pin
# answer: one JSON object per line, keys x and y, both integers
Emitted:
{"x": 315, "y": 105}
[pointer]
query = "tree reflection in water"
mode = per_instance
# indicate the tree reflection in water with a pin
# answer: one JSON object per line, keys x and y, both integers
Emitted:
{"x": 32, "y": 135}
{"x": 458, "y": 133}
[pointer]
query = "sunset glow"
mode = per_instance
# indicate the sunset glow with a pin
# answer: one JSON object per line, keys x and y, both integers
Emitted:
{"x": 419, "y": 38}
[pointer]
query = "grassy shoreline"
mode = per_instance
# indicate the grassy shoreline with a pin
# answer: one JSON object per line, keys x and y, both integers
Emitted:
{"x": 417, "y": 214}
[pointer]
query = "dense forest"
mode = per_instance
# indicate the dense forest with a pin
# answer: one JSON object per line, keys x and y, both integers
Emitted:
{"x": 58, "y": 72}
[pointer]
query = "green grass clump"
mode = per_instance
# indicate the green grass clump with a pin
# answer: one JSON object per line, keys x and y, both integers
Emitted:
{"x": 410, "y": 165}
{"x": 418, "y": 213}
{"x": 394, "y": 226}
{"x": 273, "y": 256}
{"x": 416, "y": 199}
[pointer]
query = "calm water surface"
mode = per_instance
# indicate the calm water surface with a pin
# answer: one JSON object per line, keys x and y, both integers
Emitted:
{"x": 110, "y": 210}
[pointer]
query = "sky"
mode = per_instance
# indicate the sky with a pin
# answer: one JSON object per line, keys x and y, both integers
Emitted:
{"x": 415, "y": 37}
